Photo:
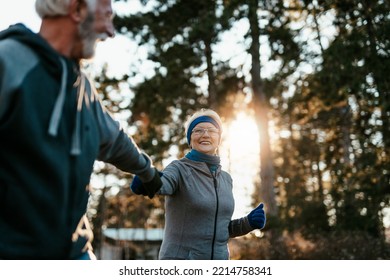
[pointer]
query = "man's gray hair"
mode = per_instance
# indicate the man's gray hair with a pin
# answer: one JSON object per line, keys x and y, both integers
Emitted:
{"x": 51, "y": 8}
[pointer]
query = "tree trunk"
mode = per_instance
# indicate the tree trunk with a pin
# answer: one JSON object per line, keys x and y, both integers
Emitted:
{"x": 261, "y": 110}
{"x": 212, "y": 99}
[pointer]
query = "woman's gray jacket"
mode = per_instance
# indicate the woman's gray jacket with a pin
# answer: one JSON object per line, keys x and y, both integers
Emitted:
{"x": 198, "y": 211}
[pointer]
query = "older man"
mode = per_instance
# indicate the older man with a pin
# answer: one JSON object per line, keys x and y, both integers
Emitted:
{"x": 53, "y": 127}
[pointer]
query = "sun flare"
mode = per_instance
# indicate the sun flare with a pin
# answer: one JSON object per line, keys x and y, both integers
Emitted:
{"x": 239, "y": 152}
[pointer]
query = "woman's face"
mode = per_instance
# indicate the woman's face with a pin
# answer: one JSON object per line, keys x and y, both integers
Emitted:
{"x": 205, "y": 138}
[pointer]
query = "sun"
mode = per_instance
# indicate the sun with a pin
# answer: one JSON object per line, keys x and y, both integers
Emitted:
{"x": 242, "y": 135}
{"x": 240, "y": 156}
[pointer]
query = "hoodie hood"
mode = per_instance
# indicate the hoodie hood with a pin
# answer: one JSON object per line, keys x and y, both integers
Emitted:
{"x": 57, "y": 66}
{"x": 19, "y": 32}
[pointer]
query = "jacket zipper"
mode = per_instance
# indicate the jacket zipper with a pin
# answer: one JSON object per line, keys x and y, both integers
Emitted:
{"x": 216, "y": 215}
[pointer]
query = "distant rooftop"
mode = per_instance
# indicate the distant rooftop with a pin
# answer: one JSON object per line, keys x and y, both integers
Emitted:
{"x": 134, "y": 234}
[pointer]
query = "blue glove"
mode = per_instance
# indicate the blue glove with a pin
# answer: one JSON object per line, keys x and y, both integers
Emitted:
{"x": 137, "y": 186}
{"x": 257, "y": 217}
{"x": 149, "y": 188}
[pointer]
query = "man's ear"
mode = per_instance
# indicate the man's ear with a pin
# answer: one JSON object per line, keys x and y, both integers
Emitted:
{"x": 78, "y": 10}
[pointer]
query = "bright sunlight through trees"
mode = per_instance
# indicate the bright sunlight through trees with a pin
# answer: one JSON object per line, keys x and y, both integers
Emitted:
{"x": 239, "y": 153}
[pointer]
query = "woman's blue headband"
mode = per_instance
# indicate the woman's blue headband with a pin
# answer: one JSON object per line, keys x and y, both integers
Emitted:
{"x": 199, "y": 120}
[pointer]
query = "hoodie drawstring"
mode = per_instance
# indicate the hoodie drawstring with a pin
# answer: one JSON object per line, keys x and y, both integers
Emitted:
{"x": 58, "y": 107}
{"x": 76, "y": 146}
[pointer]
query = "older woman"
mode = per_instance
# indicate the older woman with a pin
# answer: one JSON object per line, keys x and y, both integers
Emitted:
{"x": 199, "y": 200}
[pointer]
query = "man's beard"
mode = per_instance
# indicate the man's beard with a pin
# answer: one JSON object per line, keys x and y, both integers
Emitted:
{"x": 89, "y": 37}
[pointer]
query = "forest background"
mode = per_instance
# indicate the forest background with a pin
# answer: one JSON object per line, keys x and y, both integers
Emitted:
{"x": 303, "y": 89}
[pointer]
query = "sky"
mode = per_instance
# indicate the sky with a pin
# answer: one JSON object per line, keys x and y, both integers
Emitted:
{"x": 15, "y": 11}
{"x": 19, "y": 11}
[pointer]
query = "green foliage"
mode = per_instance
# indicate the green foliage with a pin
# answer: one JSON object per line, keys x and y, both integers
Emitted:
{"x": 345, "y": 100}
